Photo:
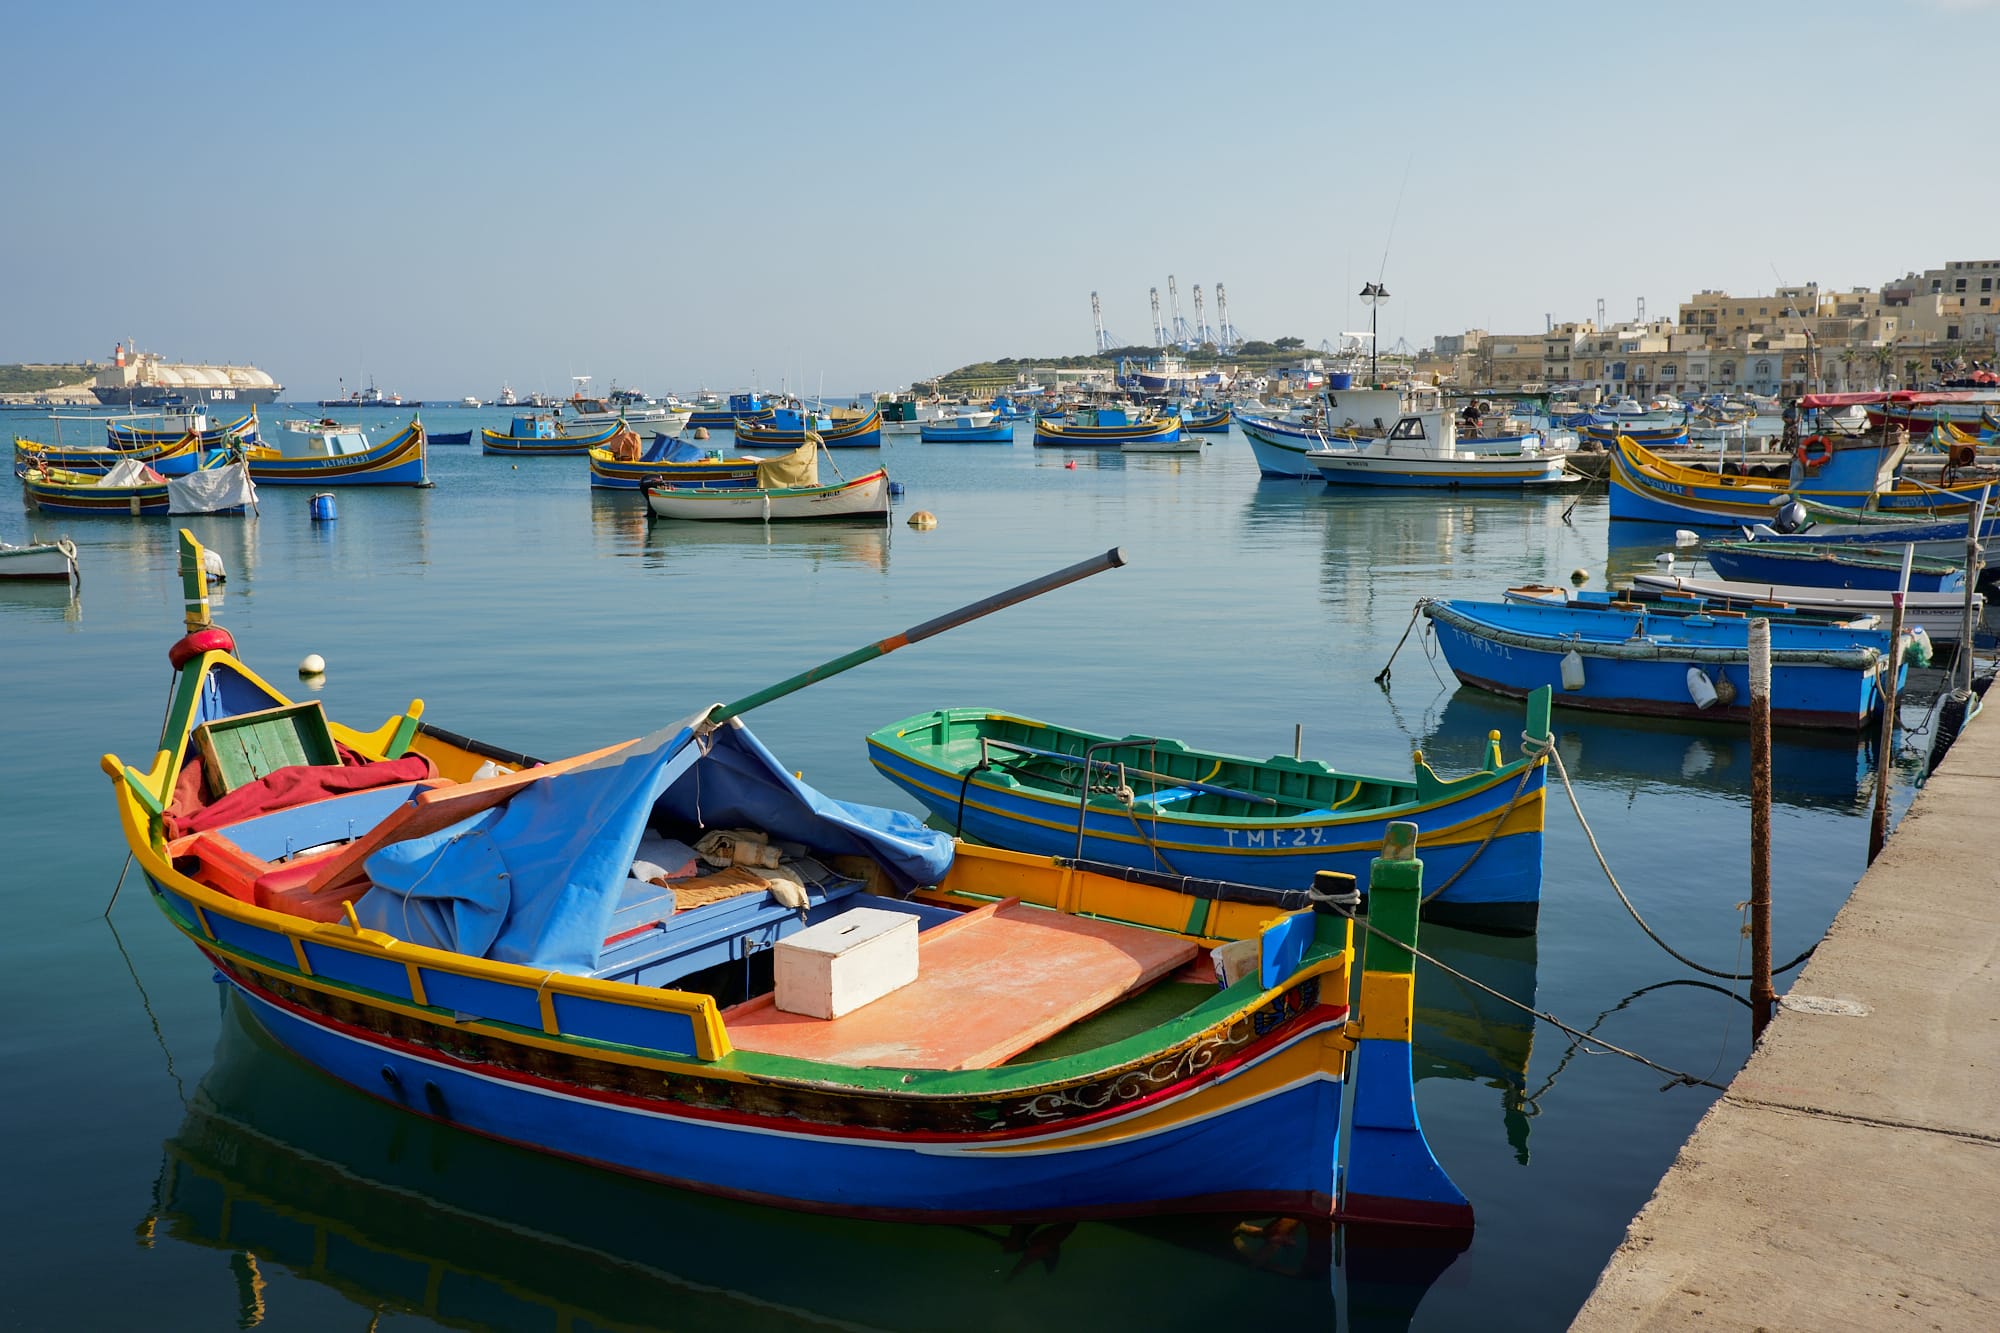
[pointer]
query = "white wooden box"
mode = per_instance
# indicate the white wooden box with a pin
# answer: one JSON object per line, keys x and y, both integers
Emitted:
{"x": 839, "y": 965}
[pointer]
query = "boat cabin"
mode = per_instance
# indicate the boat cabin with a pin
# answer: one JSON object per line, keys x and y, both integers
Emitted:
{"x": 533, "y": 428}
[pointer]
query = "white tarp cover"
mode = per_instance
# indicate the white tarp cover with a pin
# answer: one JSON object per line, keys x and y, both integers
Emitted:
{"x": 211, "y": 489}
{"x": 130, "y": 472}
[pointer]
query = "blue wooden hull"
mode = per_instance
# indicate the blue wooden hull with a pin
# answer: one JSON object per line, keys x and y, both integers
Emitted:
{"x": 999, "y": 432}
{"x": 1215, "y": 423}
{"x": 865, "y": 433}
{"x": 1092, "y": 437}
{"x": 1812, "y": 569}
{"x": 1277, "y": 1151}
{"x": 1515, "y": 649}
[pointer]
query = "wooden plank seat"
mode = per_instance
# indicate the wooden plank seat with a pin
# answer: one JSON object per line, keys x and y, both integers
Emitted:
{"x": 990, "y": 984}
{"x": 732, "y": 916}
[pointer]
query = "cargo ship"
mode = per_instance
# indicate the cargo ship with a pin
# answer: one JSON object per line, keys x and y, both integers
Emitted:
{"x": 142, "y": 379}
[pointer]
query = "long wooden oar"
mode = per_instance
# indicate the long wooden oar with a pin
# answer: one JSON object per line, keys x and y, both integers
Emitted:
{"x": 999, "y": 601}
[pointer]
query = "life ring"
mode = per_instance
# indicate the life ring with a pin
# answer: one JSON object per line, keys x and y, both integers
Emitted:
{"x": 1814, "y": 451}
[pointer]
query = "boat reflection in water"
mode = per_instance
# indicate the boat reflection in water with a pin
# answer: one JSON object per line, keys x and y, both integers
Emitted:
{"x": 864, "y": 543}
{"x": 280, "y": 1166}
{"x": 1631, "y": 755}
{"x": 1462, "y": 1032}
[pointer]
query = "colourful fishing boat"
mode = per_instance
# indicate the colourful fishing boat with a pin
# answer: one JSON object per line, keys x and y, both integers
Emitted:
{"x": 1842, "y": 473}
{"x": 174, "y": 459}
{"x": 169, "y": 427}
{"x": 1208, "y": 421}
{"x": 1106, "y": 427}
{"x": 133, "y": 490}
{"x": 1641, "y": 660}
{"x": 667, "y": 461}
{"x": 841, "y": 428}
{"x": 554, "y": 955}
{"x": 1163, "y": 807}
{"x": 713, "y": 410}
{"x": 543, "y": 436}
{"x": 323, "y": 454}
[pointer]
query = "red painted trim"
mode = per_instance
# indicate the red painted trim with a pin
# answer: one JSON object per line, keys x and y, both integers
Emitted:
{"x": 1281, "y": 1035}
{"x": 1362, "y": 1209}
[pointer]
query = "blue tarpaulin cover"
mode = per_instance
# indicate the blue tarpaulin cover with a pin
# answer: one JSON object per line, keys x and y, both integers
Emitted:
{"x": 535, "y": 881}
{"x": 673, "y": 449}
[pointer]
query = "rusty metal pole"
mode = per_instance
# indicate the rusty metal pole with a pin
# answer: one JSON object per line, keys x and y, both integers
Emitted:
{"x": 1762, "y": 997}
{"x": 1878, "y": 830}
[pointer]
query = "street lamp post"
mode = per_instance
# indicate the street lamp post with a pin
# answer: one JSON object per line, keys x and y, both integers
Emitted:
{"x": 1374, "y": 293}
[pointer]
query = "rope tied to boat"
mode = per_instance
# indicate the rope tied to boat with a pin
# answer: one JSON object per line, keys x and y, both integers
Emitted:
{"x": 1382, "y": 676}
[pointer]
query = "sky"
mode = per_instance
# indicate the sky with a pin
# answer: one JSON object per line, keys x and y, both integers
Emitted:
{"x": 847, "y": 196}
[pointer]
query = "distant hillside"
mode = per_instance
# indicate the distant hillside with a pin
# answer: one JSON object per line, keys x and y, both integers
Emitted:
{"x": 989, "y": 375}
{"x": 40, "y": 379}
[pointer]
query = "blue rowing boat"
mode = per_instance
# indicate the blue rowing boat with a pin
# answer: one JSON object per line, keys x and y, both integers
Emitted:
{"x": 1650, "y": 662}
{"x": 1829, "y": 565}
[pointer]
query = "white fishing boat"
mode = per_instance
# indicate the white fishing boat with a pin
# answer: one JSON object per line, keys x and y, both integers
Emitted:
{"x": 648, "y": 418}
{"x": 39, "y": 560}
{"x": 1421, "y": 449}
{"x": 1183, "y": 443}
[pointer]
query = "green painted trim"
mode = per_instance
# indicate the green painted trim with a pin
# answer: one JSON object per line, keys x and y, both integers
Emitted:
{"x": 147, "y": 796}
{"x": 399, "y": 744}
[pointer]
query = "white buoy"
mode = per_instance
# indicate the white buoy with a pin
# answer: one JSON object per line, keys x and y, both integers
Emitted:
{"x": 1572, "y": 670}
{"x": 1579, "y": 576}
{"x": 313, "y": 665}
{"x": 1665, "y": 560}
{"x": 1686, "y": 537}
{"x": 1700, "y": 688}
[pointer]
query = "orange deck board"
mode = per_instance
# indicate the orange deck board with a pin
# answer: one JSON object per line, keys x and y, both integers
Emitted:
{"x": 988, "y": 987}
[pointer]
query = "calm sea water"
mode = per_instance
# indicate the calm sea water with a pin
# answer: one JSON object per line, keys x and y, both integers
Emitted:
{"x": 165, "y": 1159}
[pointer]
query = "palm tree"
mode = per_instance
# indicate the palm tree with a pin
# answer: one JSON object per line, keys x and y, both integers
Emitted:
{"x": 1885, "y": 363}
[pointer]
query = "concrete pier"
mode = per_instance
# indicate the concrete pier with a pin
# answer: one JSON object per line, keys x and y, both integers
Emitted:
{"x": 1850, "y": 1177}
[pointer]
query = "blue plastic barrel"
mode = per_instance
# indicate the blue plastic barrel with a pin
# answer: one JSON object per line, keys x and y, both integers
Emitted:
{"x": 895, "y": 488}
{"x": 1339, "y": 379}
{"x": 322, "y": 508}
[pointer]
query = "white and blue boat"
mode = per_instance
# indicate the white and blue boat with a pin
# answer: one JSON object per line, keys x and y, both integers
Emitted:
{"x": 1645, "y": 661}
{"x": 1421, "y": 450}
{"x": 967, "y": 426}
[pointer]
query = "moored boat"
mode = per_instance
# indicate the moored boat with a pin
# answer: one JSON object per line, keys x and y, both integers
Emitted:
{"x": 712, "y": 410}
{"x": 1833, "y": 471}
{"x": 327, "y": 453}
{"x": 1638, "y": 660}
{"x": 51, "y": 561}
{"x": 544, "y": 436}
{"x": 173, "y": 459}
{"x": 668, "y": 461}
{"x": 1106, "y": 427}
{"x": 1939, "y": 614}
{"x": 1421, "y": 450}
{"x": 863, "y": 497}
{"x": 840, "y": 428}
{"x": 133, "y": 490}
{"x": 1831, "y": 565}
{"x": 1203, "y": 419}
{"x": 166, "y": 428}
{"x": 965, "y": 426}
{"x": 1160, "y": 806}
{"x": 649, "y": 419}
{"x": 584, "y": 1011}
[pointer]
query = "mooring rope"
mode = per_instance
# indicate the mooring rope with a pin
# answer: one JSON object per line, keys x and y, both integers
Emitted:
{"x": 1415, "y": 611}
{"x": 1493, "y": 829}
{"x": 1675, "y": 1076}
{"x": 1555, "y": 757}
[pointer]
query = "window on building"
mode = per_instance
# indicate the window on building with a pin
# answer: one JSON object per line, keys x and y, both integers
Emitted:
{"x": 1986, "y": 284}
{"x": 1959, "y": 285}
{"x": 1951, "y": 333}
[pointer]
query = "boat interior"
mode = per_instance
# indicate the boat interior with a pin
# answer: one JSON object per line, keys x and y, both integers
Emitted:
{"x": 276, "y": 809}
